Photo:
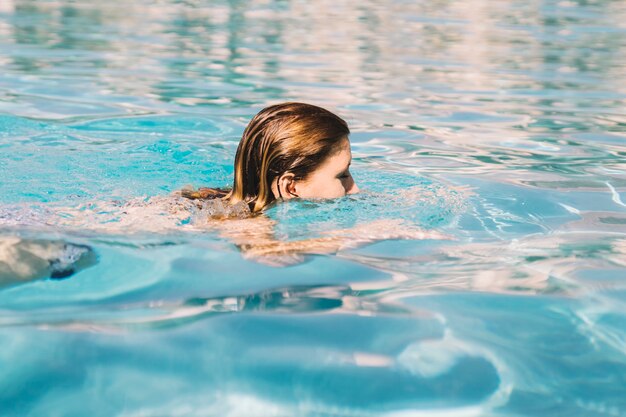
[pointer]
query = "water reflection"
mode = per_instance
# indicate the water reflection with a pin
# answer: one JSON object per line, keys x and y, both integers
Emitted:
{"x": 425, "y": 58}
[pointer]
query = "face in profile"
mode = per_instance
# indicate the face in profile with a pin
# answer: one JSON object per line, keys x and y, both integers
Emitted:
{"x": 331, "y": 179}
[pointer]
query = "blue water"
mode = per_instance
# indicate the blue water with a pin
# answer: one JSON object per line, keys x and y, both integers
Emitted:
{"x": 498, "y": 123}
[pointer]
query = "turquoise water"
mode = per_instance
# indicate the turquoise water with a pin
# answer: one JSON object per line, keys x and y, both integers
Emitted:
{"x": 500, "y": 123}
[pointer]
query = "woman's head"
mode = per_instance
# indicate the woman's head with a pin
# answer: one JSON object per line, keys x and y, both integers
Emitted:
{"x": 292, "y": 150}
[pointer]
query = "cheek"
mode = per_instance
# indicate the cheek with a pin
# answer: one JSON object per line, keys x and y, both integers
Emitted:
{"x": 320, "y": 188}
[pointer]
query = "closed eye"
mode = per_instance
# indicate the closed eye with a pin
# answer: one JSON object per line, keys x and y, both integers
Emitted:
{"x": 345, "y": 174}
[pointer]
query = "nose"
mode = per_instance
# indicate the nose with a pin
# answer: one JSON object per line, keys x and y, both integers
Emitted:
{"x": 353, "y": 188}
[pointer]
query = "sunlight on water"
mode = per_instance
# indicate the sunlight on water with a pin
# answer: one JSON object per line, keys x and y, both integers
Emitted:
{"x": 500, "y": 125}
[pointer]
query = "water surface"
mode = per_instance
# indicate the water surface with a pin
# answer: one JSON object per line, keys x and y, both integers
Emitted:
{"x": 499, "y": 123}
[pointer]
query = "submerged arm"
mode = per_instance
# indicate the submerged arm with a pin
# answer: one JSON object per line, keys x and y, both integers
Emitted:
{"x": 255, "y": 238}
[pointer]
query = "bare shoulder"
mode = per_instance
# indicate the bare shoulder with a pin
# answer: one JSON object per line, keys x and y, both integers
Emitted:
{"x": 202, "y": 193}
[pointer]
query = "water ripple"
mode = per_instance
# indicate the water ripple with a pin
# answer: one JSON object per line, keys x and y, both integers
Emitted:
{"x": 501, "y": 124}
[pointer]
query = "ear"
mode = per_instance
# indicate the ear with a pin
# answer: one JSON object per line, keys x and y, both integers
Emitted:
{"x": 287, "y": 186}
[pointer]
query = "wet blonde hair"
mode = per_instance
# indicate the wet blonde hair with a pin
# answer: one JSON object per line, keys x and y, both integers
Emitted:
{"x": 284, "y": 138}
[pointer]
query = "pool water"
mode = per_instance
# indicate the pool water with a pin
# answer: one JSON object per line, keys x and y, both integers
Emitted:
{"x": 499, "y": 123}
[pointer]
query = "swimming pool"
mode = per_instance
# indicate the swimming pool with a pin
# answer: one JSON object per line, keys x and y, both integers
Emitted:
{"x": 505, "y": 121}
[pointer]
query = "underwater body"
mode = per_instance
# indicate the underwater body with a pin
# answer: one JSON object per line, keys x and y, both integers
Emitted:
{"x": 501, "y": 124}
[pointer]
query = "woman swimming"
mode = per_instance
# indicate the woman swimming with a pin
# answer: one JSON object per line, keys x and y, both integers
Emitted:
{"x": 294, "y": 150}
{"x": 289, "y": 150}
